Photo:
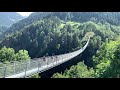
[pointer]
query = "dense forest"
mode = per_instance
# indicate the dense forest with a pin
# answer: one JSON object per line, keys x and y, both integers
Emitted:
{"x": 54, "y": 33}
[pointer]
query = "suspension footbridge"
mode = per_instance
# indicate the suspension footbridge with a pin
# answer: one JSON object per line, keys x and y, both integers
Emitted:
{"x": 30, "y": 67}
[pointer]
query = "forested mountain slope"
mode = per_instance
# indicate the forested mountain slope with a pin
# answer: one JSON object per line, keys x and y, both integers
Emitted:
{"x": 106, "y": 63}
{"x": 8, "y": 18}
{"x": 102, "y": 17}
{"x": 50, "y": 33}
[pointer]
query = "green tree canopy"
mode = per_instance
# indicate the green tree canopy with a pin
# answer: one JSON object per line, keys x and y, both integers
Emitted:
{"x": 22, "y": 55}
{"x": 8, "y": 54}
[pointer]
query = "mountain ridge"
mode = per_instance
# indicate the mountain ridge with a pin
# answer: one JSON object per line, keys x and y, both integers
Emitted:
{"x": 8, "y": 18}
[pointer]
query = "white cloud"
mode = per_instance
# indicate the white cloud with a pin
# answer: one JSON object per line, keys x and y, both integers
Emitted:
{"x": 24, "y": 13}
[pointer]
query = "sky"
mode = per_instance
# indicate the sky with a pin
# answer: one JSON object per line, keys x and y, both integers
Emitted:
{"x": 24, "y": 13}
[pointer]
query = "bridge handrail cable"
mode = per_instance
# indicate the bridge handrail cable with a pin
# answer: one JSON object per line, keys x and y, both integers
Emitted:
{"x": 23, "y": 67}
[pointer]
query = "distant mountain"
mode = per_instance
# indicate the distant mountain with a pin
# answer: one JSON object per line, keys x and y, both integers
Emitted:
{"x": 102, "y": 17}
{"x": 36, "y": 16}
{"x": 8, "y": 18}
{"x": 27, "y": 21}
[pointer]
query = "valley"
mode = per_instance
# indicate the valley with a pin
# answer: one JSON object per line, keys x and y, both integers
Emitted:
{"x": 43, "y": 34}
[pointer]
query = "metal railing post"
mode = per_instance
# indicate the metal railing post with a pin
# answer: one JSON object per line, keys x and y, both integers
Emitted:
{"x": 53, "y": 60}
{"x": 56, "y": 60}
{"x": 62, "y": 58}
{"x": 5, "y": 71}
{"x": 38, "y": 65}
{"x": 25, "y": 70}
{"x": 46, "y": 62}
{"x": 14, "y": 67}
